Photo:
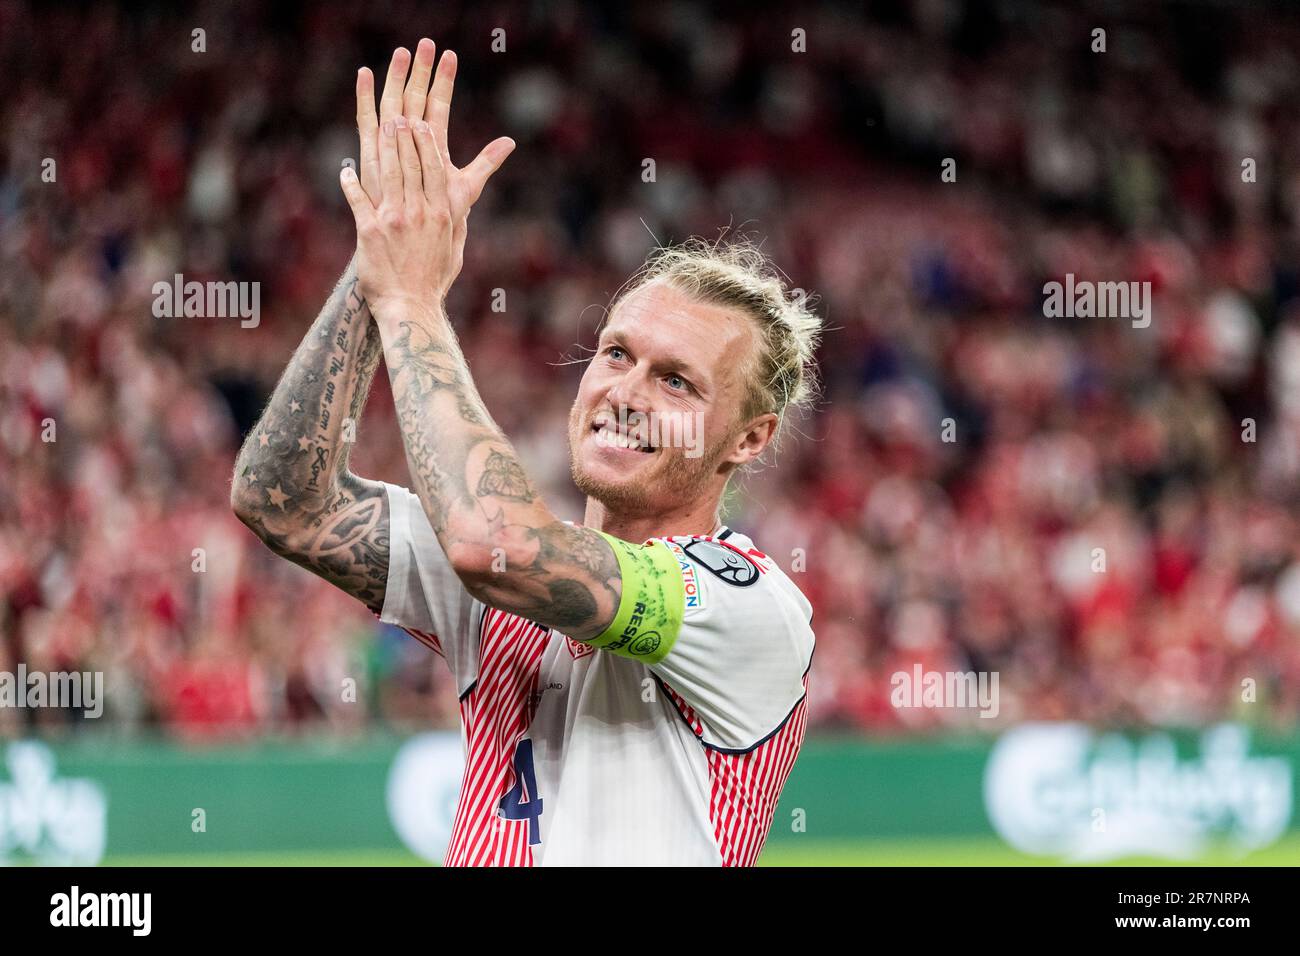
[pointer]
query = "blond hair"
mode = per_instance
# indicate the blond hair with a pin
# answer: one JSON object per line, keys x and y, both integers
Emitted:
{"x": 738, "y": 275}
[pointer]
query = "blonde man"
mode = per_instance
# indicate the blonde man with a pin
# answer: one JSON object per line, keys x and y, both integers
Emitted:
{"x": 632, "y": 690}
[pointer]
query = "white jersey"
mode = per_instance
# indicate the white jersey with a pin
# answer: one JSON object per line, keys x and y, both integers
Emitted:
{"x": 579, "y": 756}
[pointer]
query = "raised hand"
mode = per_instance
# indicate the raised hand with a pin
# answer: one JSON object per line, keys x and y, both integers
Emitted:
{"x": 408, "y": 184}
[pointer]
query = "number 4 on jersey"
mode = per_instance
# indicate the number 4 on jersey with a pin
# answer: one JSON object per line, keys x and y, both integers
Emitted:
{"x": 523, "y": 802}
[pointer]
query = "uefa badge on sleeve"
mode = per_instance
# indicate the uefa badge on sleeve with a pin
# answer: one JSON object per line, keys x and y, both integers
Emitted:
{"x": 724, "y": 562}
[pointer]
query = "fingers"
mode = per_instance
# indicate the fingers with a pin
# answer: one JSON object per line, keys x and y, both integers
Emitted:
{"x": 485, "y": 164}
{"x": 368, "y": 130}
{"x": 357, "y": 199}
{"x": 412, "y": 176}
{"x": 408, "y": 153}
{"x": 390, "y": 105}
{"x": 417, "y": 87}
{"x": 390, "y": 167}
{"x": 432, "y": 164}
{"x": 438, "y": 109}
{"x": 367, "y": 121}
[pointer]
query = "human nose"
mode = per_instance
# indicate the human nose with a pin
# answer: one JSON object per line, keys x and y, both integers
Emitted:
{"x": 631, "y": 391}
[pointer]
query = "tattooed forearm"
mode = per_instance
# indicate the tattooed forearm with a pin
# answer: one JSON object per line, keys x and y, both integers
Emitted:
{"x": 508, "y": 548}
{"x": 347, "y": 546}
{"x": 291, "y": 482}
{"x": 503, "y": 477}
{"x": 429, "y": 379}
{"x": 570, "y": 582}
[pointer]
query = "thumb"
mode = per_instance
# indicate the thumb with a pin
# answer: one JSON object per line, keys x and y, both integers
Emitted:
{"x": 358, "y": 201}
{"x": 485, "y": 164}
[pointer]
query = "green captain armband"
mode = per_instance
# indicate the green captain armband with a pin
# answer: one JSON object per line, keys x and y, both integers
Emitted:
{"x": 650, "y": 612}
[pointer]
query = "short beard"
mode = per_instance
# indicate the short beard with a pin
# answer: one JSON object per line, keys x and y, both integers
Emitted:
{"x": 683, "y": 479}
{"x": 629, "y": 498}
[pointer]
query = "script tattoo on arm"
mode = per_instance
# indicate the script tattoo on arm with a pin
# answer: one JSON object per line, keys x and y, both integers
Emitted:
{"x": 292, "y": 485}
{"x": 510, "y": 551}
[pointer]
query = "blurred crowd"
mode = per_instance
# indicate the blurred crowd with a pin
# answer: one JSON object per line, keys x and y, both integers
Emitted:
{"x": 1105, "y": 515}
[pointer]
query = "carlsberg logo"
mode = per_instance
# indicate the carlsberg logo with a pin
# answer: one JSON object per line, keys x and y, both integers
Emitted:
{"x": 45, "y": 818}
{"x": 1060, "y": 790}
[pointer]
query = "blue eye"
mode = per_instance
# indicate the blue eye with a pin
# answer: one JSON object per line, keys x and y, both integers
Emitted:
{"x": 615, "y": 352}
{"x": 676, "y": 381}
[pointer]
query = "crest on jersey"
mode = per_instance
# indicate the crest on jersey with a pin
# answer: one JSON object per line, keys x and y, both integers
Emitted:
{"x": 578, "y": 649}
{"x": 723, "y": 562}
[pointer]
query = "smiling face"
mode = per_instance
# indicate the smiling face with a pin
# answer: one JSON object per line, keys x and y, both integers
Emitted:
{"x": 658, "y": 419}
